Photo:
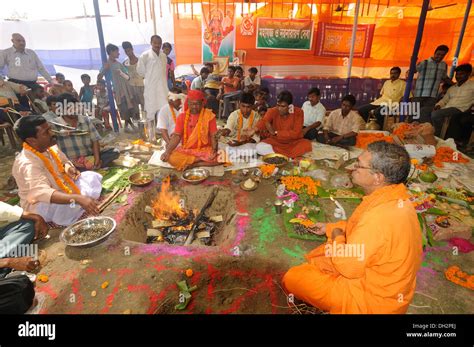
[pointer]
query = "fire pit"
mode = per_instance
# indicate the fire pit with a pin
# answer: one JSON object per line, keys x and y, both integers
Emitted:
{"x": 197, "y": 215}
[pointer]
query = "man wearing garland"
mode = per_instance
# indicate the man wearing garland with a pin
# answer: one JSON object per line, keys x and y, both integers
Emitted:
{"x": 48, "y": 183}
{"x": 195, "y": 130}
{"x": 241, "y": 128}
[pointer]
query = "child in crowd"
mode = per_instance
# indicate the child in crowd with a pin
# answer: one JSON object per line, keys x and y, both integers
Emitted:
{"x": 58, "y": 87}
{"x": 261, "y": 97}
{"x": 102, "y": 110}
{"x": 167, "y": 48}
{"x": 51, "y": 115}
{"x": 252, "y": 81}
{"x": 87, "y": 90}
{"x": 69, "y": 89}
{"x": 37, "y": 97}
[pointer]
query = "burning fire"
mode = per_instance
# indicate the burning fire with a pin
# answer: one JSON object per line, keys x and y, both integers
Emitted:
{"x": 167, "y": 205}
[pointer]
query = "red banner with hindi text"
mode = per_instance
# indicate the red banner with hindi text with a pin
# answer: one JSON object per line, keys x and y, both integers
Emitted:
{"x": 334, "y": 40}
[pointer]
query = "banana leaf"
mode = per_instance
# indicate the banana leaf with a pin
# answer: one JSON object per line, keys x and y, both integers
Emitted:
{"x": 436, "y": 211}
{"x": 421, "y": 220}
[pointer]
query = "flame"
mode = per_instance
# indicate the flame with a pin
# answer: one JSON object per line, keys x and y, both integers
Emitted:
{"x": 167, "y": 205}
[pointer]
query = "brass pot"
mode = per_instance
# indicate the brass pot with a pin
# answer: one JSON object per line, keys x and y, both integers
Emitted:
{"x": 372, "y": 124}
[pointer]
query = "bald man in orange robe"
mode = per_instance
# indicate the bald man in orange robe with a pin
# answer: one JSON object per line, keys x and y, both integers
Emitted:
{"x": 369, "y": 263}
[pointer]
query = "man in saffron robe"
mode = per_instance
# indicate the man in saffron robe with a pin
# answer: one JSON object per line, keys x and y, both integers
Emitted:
{"x": 48, "y": 183}
{"x": 195, "y": 130}
{"x": 384, "y": 229}
{"x": 285, "y": 125}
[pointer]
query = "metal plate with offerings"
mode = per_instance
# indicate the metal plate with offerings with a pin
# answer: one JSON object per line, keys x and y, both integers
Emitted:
{"x": 88, "y": 232}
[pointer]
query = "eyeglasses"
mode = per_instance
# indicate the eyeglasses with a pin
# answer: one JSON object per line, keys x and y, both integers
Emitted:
{"x": 357, "y": 166}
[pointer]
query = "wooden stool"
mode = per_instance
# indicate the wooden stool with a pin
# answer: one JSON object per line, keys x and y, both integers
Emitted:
{"x": 11, "y": 136}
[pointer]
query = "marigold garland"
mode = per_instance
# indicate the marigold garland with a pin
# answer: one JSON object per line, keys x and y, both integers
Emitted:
{"x": 365, "y": 139}
{"x": 241, "y": 122}
{"x": 267, "y": 170}
{"x": 51, "y": 170}
{"x": 301, "y": 184}
{"x": 447, "y": 155}
{"x": 455, "y": 275}
{"x": 401, "y": 130}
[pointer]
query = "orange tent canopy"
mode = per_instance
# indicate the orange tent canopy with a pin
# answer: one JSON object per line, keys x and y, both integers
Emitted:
{"x": 395, "y": 22}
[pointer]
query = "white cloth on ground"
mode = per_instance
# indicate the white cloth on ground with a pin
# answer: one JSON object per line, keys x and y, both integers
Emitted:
{"x": 264, "y": 148}
{"x": 89, "y": 183}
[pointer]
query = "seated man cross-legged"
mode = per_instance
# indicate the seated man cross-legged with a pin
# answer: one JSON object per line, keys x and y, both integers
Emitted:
{"x": 241, "y": 128}
{"x": 342, "y": 125}
{"x": 195, "y": 130}
{"x": 48, "y": 183}
{"x": 369, "y": 263}
{"x": 82, "y": 146}
{"x": 285, "y": 125}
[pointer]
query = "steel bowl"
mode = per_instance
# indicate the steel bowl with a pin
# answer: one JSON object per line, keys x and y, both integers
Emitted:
{"x": 141, "y": 179}
{"x": 267, "y": 159}
{"x": 85, "y": 226}
{"x": 195, "y": 176}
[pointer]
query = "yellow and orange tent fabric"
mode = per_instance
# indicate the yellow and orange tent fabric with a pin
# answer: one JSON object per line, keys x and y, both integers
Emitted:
{"x": 395, "y": 23}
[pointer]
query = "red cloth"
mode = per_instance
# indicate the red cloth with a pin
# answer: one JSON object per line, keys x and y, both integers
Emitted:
{"x": 465, "y": 246}
{"x": 193, "y": 120}
{"x": 289, "y": 140}
{"x": 194, "y": 95}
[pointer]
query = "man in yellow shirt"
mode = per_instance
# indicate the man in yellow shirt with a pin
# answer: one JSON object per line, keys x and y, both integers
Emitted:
{"x": 391, "y": 92}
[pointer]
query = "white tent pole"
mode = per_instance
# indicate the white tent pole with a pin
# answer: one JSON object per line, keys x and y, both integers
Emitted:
{"x": 353, "y": 39}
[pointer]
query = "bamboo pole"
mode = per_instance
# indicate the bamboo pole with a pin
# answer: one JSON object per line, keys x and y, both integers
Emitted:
{"x": 144, "y": 9}
{"x": 416, "y": 49}
{"x": 353, "y": 39}
{"x": 138, "y": 11}
{"x": 461, "y": 36}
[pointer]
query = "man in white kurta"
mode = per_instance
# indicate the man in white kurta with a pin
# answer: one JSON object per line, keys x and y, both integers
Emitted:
{"x": 241, "y": 130}
{"x": 168, "y": 114}
{"x": 152, "y": 66}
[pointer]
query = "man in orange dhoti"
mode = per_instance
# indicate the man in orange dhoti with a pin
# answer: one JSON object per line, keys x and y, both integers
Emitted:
{"x": 285, "y": 125}
{"x": 195, "y": 130}
{"x": 369, "y": 263}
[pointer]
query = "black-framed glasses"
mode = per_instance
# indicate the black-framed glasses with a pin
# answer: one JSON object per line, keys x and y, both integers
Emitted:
{"x": 357, "y": 166}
